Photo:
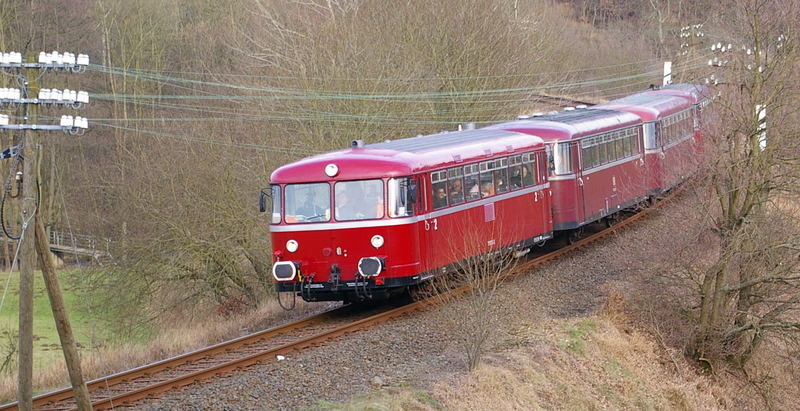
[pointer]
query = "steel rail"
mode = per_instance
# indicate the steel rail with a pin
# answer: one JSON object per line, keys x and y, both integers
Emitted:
{"x": 147, "y": 369}
{"x": 130, "y": 397}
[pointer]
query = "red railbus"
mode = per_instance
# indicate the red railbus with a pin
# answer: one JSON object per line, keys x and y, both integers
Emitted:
{"x": 596, "y": 165}
{"x": 700, "y": 96}
{"x": 373, "y": 220}
{"x": 669, "y": 135}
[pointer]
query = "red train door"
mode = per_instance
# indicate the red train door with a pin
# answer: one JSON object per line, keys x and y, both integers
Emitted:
{"x": 580, "y": 195}
{"x": 424, "y": 209}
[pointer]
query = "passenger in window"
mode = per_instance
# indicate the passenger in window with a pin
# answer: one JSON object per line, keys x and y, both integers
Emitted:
{"x": 487, "y": 189}
{"x": 500, "y": 184}
{"x": 456, "y": 191}
{"x": 527, "y": 175}
{"x": 345, "y": 208}
{"x": 351, "y": 204}
{"x": 474, "y": 191}
{"x": 516, "y": 178}
{"x": 439, "y": 198}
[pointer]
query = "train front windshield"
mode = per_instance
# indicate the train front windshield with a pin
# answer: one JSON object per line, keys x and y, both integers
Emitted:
{"x": 308, "y": 203}
{"x": 359, "y": 200}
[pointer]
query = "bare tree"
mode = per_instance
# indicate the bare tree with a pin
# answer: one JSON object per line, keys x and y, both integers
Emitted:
{"x": 469, "y": 288}
{"x": 751, "y": 291}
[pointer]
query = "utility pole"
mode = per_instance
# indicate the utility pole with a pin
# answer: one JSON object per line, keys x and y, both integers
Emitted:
{"x": 28, "y": 250}
{"x": 33, "y": 240}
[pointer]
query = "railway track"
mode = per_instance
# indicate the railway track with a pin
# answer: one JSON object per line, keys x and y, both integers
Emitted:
{"x": 125, "y": 388}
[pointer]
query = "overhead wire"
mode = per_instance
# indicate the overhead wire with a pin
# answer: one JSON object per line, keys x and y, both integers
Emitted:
{"x": 239, "y": 75}
{"x": 301, "y": 95}
{"x": 249, "y": 146}
{"x": 308, "y": 114}
{"x": 431, "y": 117}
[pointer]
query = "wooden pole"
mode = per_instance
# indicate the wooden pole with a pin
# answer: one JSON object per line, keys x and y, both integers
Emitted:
{"x": 71, "y": 354}
{"x": 27, "y": 251}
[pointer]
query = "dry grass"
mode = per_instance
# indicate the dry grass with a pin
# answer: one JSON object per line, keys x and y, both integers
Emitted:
{"x": 171, "y": 342}
{"x": 586, "y": 363}
{"x": 578, "y": 363}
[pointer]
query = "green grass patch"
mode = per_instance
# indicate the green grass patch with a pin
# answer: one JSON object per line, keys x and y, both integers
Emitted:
{"x": 577, "y": 333}
{"x": 46, "y": 345}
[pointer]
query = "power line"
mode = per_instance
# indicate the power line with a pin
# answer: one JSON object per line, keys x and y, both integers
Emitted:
{"x": 249, "y": 146}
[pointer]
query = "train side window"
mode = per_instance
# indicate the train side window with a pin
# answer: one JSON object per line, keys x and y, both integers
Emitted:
{"x": 402, "y": 196}
{"x": 541, "y": 167}
{"x": 528, "y": 163}
{"x": 486, "y": 178}
{"x": 455, "y": 185}
{"x": 471, "y": 182}
{"x": 562, "y": 156}
{"x": 501, "y": 175}
{"x": 611, "y": 146}
{"x": 650, "y": 136}
{"x": 601, "y": 153}
{"x": 276, "y": 204}
{"x": 620, "y": 147}
{"x": 586, "y": 156}
{"x": 439, "y": 189}
{"x": 515, "y": 172}
{"x": 626, "y": 146}
{"x": 659, "y": 131}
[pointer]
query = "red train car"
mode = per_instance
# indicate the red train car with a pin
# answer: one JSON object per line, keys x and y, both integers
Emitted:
{"x": 700, "y": 96}
{"x": 669, "y": 135}
{"x": 373, "y": 220}
{"x": 596, "y": 162}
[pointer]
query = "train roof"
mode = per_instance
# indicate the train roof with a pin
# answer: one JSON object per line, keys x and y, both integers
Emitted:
{"x": 569, "y": 125}
{"x": 694, "y": 92}
{"x": 402, "y": 157}
{"x": 649, "y": 105}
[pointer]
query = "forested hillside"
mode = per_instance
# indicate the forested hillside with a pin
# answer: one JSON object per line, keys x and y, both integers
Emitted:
{"x": 195, "y": 102}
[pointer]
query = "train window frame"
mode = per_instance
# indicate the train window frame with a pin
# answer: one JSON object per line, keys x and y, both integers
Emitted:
{"x": 562, "y": 158}
{"x": 293, "y": 218}
{"x": 501, "y": 185}
{"x": 394, "y": 196}
{"x": 455, "y": 174}
{"x": 515, "y": 172}
{"x": 382, "y": 199}
{"x": 438, "y": 181}
{"x": 472, "y": 172}
{"x": 529, "y": 158}
{"x": 277, "y": 203}
{"x": 486, "y": 176}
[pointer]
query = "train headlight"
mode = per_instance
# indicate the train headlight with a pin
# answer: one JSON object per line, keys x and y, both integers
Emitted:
{"x": 292, "y": 245}
{"x": 285, "y": 270}
{"x": 331, "y": 170}
{"x": 370, "y": 266}
{"x": 376, "y": 241}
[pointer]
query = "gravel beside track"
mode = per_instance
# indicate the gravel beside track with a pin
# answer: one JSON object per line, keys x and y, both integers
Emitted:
{"x": 414, "y": 351}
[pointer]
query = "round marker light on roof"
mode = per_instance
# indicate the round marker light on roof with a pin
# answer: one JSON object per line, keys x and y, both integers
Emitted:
{"x": 292, "y": 246}
{"x": 376, "y": 241}
{"x": 331, "y": 170}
